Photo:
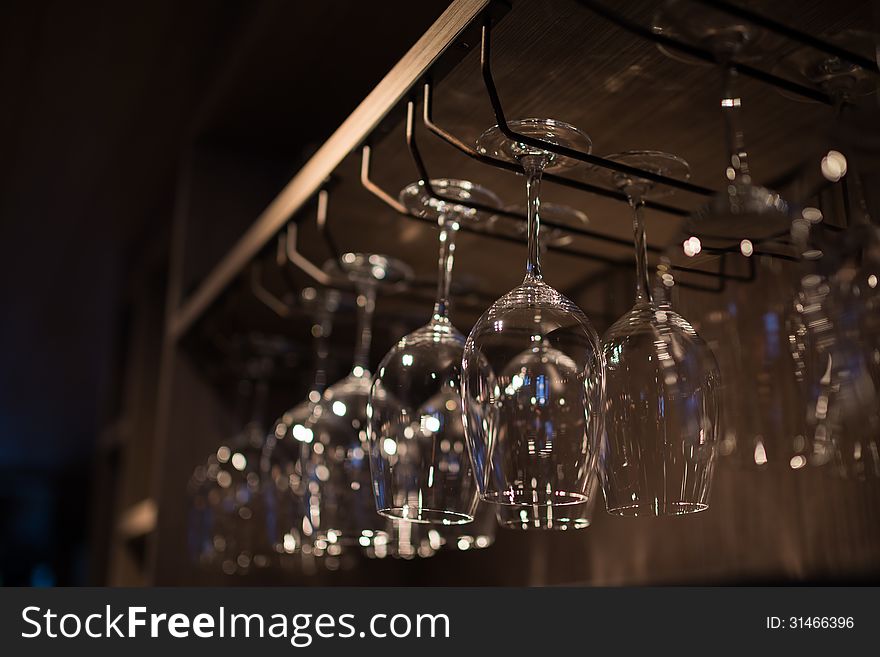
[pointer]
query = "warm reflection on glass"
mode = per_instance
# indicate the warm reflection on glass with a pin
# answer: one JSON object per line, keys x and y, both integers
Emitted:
{"x": 532, "y": 369}
{"x": 420, "y": 465}
{"x": 661, "y": 387}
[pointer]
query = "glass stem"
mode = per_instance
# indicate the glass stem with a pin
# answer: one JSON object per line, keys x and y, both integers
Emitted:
{"x": 534, "y": 167}
{"x": 731, "y": 104}
{"x": 366, "y": 302}
{"x": 659, "y": 290}
{"x": 448, "y": 229}
{"x": 643, "y": 284}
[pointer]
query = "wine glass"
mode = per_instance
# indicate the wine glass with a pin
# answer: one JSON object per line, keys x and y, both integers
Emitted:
{"x": 324, "y": 304}
{"x": 662, "y": 385}
{"x": 240, "y": 509}
{"x": 742, "y": 210}
{"x": 842, "y": 397}
{"x": 420, "y": 466}
{"x": 532, "y": 371}
{"x": 833, "y": 331}
{"x": 844, "y": 81}
{"x": 283, "y": 446}
{"x": 339, "y": 508}
{"x": 559, "y": 214}
{"x": 834, "y": 326}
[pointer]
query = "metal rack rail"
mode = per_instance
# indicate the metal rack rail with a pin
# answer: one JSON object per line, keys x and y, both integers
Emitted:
{"x": 416, "y": 71}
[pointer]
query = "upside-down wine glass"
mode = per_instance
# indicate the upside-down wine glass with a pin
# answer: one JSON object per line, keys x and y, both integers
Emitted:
{"x": 662, "y": 386}
{"x": 283, "y": 447}
{"x": 339, "y": 507}
{"x": 742, "y": 210}
{"x": 835, "y": 329}
{"x": 538, "y": 516}
{"x": 241, "y": 510}
{"x": 420, "y": 466}
{"x": 532, "y": 372}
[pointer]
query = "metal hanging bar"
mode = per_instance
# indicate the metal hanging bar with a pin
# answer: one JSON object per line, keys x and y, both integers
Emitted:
{"x": 565, "y": 151}
{"x": 298, "y": 260}
{"x": 425, "y": 177}
{"x": 412, "y": 144}
{"x": 703, "y": 54}
{"x": 459, "y": 145}
{"x": 376, "y": 190}
{"x": 398, "y": 207}
{"x": 792, "y": 33}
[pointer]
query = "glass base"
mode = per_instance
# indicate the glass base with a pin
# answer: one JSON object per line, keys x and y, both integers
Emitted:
{"x": 813, "y": 68}
{"x": 651, "y": 510}
{"x": 744, "y": 211}
{"x": 657, "y": 162}
{"x": 371, "y": 267}
{"x": 495, "y": 143}
{"x": 416, "y": 199}
{"x": 531, "y": 497}
{"x": 707, "y": 28}
{"x": 425, "y": 516}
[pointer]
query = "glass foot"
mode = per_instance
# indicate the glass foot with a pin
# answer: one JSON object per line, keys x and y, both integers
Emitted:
{"x": 742, "y": 211}
{"x": 657, "y": 162}
{"x": 418, "y": 201}
{"x": 495, "y": 143}
{"x": 372, "y": 267}
{"x": 707, "y": 28}
{"x": 813, "y": 68}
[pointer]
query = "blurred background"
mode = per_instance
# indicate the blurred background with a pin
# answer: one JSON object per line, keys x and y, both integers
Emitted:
{"x": 101, "y": 100}
{"x": 141, "y": 140}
